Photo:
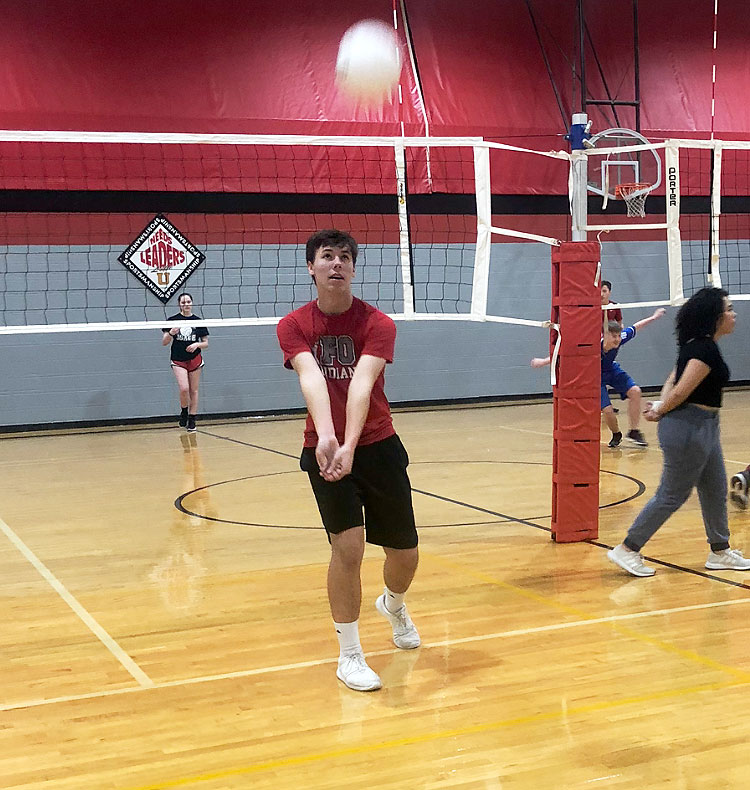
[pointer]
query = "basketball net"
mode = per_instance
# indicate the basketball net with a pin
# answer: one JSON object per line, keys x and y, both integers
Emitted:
{"x": 634, "y": 196}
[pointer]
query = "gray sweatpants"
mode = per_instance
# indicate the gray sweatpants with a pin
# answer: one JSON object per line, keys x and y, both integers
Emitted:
{"x": 691, "y": 443}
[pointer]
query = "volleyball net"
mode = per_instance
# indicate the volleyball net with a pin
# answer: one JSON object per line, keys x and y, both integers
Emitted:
{"x": 697, "y": 216}
{"x": 101, "y": 231}
{"x": 716, "y": 235}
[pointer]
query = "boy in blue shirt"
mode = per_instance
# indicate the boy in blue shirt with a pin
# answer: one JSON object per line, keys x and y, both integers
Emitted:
{"x": 616, "y": 378}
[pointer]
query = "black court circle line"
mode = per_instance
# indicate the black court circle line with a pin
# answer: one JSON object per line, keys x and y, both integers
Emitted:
{"x": 503, "y": 517}
{"x": 639, "y": 483}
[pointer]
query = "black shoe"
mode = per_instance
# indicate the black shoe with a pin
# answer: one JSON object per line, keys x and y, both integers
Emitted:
{"x": 615, "y": 440}
{"x": 637, "y": 438}
{"x": 191, "y": 423}
{"x": 183, "y": 419}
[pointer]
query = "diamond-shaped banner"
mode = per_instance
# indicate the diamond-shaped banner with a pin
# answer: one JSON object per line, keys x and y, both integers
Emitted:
{"x": 161, "y": 258}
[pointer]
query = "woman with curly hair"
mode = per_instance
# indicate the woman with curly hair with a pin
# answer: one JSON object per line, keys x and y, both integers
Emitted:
{"x": 688, "y": 416}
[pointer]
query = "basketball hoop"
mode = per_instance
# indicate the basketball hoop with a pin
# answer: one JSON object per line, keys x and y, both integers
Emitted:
{"x": 634, "y": 196}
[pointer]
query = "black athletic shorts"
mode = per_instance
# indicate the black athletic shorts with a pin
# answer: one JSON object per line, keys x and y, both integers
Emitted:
{"x": 377, "y": 494}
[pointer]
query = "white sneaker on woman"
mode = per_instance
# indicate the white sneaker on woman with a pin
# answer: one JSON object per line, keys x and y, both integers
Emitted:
{"x": 727, "y": 560}
{"x": 630, "y": 561}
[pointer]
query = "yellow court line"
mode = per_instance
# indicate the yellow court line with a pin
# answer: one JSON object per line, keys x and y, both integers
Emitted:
{"x": 431, "y": 737}
{"x": 667, "y": 647}
{"x": 244, "y": 673}
{"x": 488, "y": 579}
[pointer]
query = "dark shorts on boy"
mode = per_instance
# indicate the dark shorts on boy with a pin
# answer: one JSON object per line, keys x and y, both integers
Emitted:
{"x": 377, "y": 494}
{"x": 619, "y": 381}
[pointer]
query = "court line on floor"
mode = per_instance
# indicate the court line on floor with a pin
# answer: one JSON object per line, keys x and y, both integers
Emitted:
{"x": 432, "y": 737}
{"x": 502, "y": 516}
{"x": 86, "y": 618}
{"x": 660, "y": 644}
{"x": 243, "y": 673}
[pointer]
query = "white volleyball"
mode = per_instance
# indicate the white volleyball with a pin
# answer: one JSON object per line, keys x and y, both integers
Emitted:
{"x": 369, "y": 61}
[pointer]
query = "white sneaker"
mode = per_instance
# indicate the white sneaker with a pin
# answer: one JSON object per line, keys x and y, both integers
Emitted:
{"x": 405, "y": 633}
{"x": 727, "y": 560}
{"x": 353, "y": 672}
{"x": 630, "y": 561}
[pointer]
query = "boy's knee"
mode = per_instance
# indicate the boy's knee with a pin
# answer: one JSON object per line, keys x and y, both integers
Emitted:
{"x": 409, "y": 558}
{"x": 348, "y": 547}
{"x": 634, "y": 392}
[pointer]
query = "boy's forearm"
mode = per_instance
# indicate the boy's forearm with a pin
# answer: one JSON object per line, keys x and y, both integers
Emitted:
{"x": 318, "y": 402}
{"x": 357, "y": 407}
{"x": 366, "y": 373}
{"x": 646, "y": 321}
{"x": 643, "y": 322}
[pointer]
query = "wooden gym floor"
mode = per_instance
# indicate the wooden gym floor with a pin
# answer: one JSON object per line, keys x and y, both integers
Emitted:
{"x": 146, "y": 645}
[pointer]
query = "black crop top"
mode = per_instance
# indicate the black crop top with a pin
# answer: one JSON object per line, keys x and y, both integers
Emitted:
{"x": 708, "y": 392}
{"x": 187, "y": 335}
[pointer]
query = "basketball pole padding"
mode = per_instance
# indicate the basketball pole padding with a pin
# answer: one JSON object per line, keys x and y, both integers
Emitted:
{"x": 576, "y": 308}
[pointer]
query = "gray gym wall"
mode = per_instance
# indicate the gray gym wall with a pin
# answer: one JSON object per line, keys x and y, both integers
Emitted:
{"x": 125, "y": 375}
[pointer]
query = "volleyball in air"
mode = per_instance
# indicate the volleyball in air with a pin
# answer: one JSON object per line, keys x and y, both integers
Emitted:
{"x": 368, "y": 65}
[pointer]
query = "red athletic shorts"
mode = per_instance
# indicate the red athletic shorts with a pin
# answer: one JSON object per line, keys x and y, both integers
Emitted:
{"x": 191, "y": 364}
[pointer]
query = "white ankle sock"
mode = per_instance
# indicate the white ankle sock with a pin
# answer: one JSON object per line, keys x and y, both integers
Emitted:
{"x": 393, "y": 601}
{"x": 348, "y": 636}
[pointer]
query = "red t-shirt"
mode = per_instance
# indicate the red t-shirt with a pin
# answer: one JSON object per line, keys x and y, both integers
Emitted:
{"x": 613, "y": 313}
{"x": 337, "y": 342}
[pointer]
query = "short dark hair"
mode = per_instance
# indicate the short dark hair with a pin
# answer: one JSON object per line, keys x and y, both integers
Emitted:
{"x": 614, "y": 327}
{"x": 607, "y": 283}
{"x": 330, "y": 238}
{"x": 700, "y": 315}
{"x": 185, "y": 293}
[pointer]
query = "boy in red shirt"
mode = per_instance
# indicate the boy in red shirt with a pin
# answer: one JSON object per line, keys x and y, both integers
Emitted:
{"x": 609, "y": 314}
{"x": 339, "y": 346}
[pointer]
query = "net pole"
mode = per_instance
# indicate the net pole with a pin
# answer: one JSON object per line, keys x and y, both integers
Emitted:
{"x": 578, "y": 186}
{"x": 576, "y": 308}
{"x": 578, "y": 196}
